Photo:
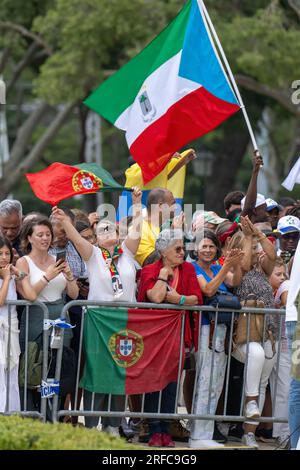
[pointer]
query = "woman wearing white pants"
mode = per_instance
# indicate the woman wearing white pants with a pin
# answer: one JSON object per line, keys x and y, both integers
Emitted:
{"x": 255, "y": 283}
{"x": 211, "y": 366}
{"x": 260, "y": 363}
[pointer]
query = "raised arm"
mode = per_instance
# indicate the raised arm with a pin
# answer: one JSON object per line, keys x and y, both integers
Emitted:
{"x": 209, "y": 288}
{"x": 251, "y": 194}
{"x": 190, "y": 155}
{"x": 84, "y": 248}
{"x": 133, "y": 238}
{"x": 245, "y": 224}
{"x": 267, "y": 261}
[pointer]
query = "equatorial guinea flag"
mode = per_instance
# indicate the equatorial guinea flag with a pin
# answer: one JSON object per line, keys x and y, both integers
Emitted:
{"x": 129, "y": 351}
{"x": 173, "y": 92}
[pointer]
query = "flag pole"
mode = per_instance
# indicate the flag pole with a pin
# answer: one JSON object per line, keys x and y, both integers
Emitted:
{"x": 230, "y": 74}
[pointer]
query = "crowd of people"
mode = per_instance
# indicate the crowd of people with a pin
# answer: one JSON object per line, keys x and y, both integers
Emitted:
{"x": 155, "y": 257}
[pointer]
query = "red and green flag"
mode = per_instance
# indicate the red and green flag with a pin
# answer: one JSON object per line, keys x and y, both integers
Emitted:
{"x": 59, "y": 181}
{"x": 130, "y": 351}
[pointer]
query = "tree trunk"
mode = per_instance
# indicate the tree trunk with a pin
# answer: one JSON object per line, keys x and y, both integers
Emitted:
{"x": 11, "y": 178}
{"x": 225, "y": 168}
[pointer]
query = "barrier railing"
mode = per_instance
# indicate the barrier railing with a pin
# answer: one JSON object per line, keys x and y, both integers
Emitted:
{"x": 128, "y": 411}
{"x": 24, "y": 391}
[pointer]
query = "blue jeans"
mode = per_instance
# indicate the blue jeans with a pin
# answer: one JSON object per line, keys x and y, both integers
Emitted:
{"x": 168, "y": 400}
{"x": 294, "y": 396}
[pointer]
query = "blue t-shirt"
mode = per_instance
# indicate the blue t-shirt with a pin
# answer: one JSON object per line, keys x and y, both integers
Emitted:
{"x": 215, "y": 268}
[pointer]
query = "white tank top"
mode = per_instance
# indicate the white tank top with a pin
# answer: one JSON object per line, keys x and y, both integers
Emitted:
{"x": 53, "y": 290}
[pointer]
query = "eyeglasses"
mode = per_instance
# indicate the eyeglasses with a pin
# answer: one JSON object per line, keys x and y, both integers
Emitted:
{"x": 179, "y": 249}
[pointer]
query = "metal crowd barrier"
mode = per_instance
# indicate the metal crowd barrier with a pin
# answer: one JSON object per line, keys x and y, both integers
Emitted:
{"x": 126, "y": 412}
{"x": 25, "y": 411}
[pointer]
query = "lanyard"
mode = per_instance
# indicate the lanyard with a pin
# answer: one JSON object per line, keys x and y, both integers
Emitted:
{"x": 114, "y": 273}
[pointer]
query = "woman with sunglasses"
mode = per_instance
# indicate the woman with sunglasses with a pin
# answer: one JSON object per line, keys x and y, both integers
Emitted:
{"x": 111, "y": 275}
{"x": 169, "y": 280}
{"x": 211, "y": 278}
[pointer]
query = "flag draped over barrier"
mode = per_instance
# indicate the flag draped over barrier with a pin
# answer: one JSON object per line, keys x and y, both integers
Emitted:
{"x": 60, "y": 181}
{"x": 171, "y": 93}
{"x": 130, "y": 351}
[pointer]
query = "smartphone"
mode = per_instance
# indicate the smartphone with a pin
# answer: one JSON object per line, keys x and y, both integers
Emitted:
{"x": 84, "y": 281}
{"x": 61, "y": 256}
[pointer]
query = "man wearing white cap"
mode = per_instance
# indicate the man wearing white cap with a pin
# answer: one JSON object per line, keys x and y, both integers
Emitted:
{"x": 273, "y": 211}
{"x": 259, "y": 212}
{"x": 289, "y": 229}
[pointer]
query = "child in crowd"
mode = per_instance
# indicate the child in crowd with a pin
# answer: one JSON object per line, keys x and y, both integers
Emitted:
{"x": 9, "y": 331}
{"x": 280, "y": 285}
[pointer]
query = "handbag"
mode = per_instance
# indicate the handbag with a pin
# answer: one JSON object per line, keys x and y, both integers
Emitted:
{"x": 256, "y": 327}
{"x": 222, "y": 299}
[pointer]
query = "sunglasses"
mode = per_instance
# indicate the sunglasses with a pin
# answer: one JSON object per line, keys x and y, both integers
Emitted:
{"x": 106, "y": 229}
{"x": 179, "y": 249}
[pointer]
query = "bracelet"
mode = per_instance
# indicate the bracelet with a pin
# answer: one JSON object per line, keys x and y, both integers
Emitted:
{"x": 182, "y": 300}
{"x": 161, "y": 279}
{"x": 46, "y": 279}
{"x": 70, "y": 280}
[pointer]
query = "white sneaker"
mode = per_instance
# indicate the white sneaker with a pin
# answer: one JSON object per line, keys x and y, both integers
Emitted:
{"x": 283, "y": 442}
{"x": 251, "y": 409}
{"x": 203, "y": 443}
{"x": 249, "y": 440}
{"x": 111, "y": 430}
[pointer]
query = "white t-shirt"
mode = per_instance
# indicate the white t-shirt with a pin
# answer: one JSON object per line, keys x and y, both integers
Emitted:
{"x": 100, "y": 277}
{"x": 284, "y": 287}
{"x": 4, "y": 332}
{"x": 11, "y": 295}
{"x": 291, "y": 310}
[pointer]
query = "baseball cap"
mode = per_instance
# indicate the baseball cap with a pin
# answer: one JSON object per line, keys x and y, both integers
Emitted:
{"x": 212, "y": 218}
{"x": 271, "y": 204}
{"x": 260, "y": 200}
{"x": 201, "y": 217}
{"x": 288, "y": 224}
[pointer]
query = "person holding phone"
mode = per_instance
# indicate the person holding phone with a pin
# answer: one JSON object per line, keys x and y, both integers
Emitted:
{"x": 48, "y": 280}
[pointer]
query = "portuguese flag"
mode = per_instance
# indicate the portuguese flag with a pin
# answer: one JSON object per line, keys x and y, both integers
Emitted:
{"x": 130, "y": 351}
{"x": 174, "y": 91}
{"x": 59, "y": 181}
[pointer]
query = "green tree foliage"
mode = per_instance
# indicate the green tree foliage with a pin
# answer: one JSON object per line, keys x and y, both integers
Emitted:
{"x": 92, "y": 37}
{"x": 66, "y": 48}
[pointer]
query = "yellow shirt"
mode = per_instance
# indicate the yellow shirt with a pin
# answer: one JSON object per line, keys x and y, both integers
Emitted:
{"x": 147, "y": 243}
{"x": 175, "y": 184}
